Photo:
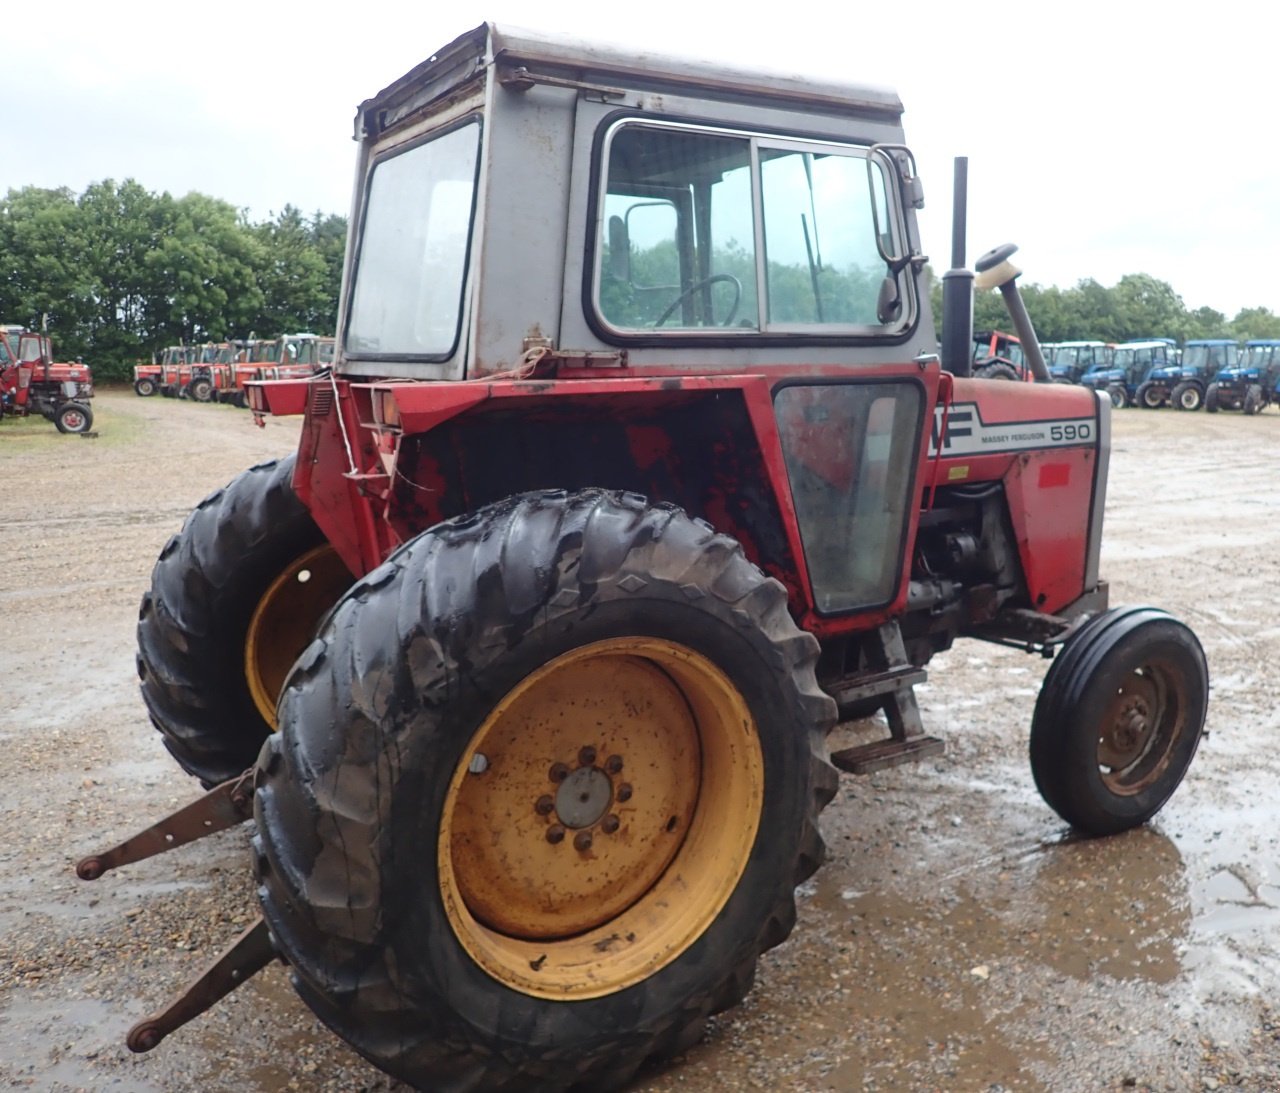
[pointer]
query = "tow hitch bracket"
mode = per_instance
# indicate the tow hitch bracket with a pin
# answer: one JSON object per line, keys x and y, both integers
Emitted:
{"x": 248, "y": 954}
{"x": 224, "y": 806}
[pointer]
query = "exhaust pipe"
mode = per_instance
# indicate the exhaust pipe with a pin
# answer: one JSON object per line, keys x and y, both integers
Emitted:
{"x": 996, "y": 271}
{"x": 957, "y": 284}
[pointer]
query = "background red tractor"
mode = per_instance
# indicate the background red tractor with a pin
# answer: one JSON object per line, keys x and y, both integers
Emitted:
{"x": 32, "y": 382}
{"x": 525, "y": 665}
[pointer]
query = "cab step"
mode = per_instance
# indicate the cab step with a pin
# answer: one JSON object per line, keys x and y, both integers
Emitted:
{"x": 882, "y": 754}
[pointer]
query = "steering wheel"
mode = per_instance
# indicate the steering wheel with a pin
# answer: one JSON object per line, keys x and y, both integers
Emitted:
{"x": 697, "y": 286}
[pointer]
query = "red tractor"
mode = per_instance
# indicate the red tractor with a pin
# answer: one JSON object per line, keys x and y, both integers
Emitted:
{"x": 31, "y": 381}
{"x": 637, "y": 470}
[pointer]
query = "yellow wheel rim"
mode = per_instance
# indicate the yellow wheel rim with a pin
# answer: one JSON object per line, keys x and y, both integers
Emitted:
{"x": 285, "y": 621}
{"x": 600, "y": 818}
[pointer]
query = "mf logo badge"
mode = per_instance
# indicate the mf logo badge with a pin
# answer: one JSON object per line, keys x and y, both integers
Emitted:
{"x": 967, "y": 434}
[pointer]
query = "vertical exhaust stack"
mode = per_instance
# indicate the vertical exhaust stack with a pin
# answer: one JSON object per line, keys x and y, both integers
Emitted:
{"x": 957, "y": 284}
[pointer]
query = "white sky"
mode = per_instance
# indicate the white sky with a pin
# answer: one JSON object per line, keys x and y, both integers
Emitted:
{"x": 1103, "y": 138}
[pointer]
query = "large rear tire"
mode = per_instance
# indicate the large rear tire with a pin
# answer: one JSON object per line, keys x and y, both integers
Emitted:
{"x": 998, "y": 370}
{"x": 544, "y": 787}
{"x": 1119, "y": 718}
{"x": 235, "y": 596}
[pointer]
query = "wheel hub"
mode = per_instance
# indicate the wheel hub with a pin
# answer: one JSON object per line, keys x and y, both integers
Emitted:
{"x": 1128, "y": 731}
{"x": 583, "y": 797}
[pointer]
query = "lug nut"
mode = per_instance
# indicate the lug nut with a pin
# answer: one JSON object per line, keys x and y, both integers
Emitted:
{"x": 587, "y": 756}
{"x": 624, "y": 791}
{"x": 610, "y": 824}
{"x": 582, "y": 840}
{"x": 544, "y": 805}
{"x": 613, "y": 764}
{"x": 559, "y": 772}
{"x": 555, "y": 834}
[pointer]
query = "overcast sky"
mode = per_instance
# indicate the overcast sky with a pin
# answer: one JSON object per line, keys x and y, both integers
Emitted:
{"x": 1103, "y": 138}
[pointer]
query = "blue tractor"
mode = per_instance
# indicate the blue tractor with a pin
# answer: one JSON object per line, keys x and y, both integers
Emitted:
{"x": 1069, "y": 361}
{"x": 1251, "y": 385}
{"x": 1130, "y": 365}
{"x": 1183, "y": 384}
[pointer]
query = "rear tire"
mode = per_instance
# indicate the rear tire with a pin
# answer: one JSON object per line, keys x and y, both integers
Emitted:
{"x": 1119, "y": 719}
{"x": 235, "y": 596}
{"x": 997, "y": 371}
{"x": 1187, "y": 396}
{"x": 530, "y": 646}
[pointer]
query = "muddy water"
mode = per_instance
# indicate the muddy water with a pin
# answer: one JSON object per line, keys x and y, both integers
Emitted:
{"x": 958, "y": 937}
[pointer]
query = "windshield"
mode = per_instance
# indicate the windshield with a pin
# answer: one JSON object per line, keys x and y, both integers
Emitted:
{"x": 1258, "y": 356}
{"x": 411, "y": 263}
{"x": 742, "y": 233}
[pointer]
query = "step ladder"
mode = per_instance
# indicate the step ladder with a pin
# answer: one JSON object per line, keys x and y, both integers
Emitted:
{"x": 892, "y": 677}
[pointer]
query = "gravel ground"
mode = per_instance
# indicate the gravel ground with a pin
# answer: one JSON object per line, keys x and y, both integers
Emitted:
{"x": 956, "y": 939}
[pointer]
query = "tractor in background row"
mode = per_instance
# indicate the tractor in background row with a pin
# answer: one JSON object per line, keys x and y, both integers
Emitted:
{"x": 1251, "y": 384}
{"x": 1131, "y": 362}
{"x": 525, "y": 666}
{"x": 1069, "y": 361}
{"x": 31, "y": 381}
{"x": 1184, "y": 381}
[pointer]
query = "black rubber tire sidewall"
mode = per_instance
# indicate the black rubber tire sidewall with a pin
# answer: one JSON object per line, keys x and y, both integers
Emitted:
{"x": 423, "y": 1010}
{"x": 193, "y": 622}
{"x": 85, "y": 413}
{"x": 1075, "y": 692}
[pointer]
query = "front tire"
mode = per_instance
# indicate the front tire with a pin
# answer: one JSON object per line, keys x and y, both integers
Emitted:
{"x": 73, "y": 417}
{"x": 1253, "y": 399}
{"x": 1150, "y": 396}
{"x": 200, "y": 390}
{"x": 1119, "y": 718}
{"x": 1211, "y": 399}
{"x": 494, "y": 830}
{"x": 1118, "y": 395}
{"x": 145, "y": 387}
{"x": 235, "y": 596}
{"x": 1186, "y": 396}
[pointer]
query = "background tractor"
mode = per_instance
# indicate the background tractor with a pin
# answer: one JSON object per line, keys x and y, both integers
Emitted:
{"x": 1202, "y": 359}
{"x": 1251, "y": 384}
{"x": 1131, "y": 363}
{"x": 525, "y": 665}
{"x": 1069, "y": 361}
{"x": 32, "y": 382}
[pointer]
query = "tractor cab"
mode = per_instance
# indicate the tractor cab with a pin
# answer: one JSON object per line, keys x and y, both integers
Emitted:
{"x": 1069, "y": 361}
{"x": 1130, "y": 364}
{"x": 1252, "y": 383}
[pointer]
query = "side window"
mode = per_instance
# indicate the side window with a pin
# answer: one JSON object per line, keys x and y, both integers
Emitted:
{"x": 678, "y": 248}
{"x": 850, "y": 451}
{"x": 712, "y": 231}
{"x": 820, "y": 238}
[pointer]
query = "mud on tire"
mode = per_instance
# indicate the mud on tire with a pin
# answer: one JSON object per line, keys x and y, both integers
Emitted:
{"x": 402, "y": 707}
{"x": 206, "y": 586}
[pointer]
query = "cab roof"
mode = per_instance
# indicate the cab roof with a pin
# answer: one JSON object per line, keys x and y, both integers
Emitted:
{"x": 526, "y": 57}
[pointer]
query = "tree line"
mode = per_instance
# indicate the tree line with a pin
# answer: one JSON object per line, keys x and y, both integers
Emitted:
{"x": 1137, "y": 306}
{"x": 119, "y": 272}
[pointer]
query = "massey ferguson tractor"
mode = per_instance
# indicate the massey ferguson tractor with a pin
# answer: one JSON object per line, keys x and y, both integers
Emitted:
{"x": 31, "y": 381}
{"x": 638, "y": 469}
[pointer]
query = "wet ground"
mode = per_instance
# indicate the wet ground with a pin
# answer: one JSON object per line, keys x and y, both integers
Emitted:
{"x": 957, "y": 938}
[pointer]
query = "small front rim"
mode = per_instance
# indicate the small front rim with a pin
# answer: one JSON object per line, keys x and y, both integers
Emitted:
{"x": 600, "y": 818}
{"x": 1141, "y": 724}
{"x": 286, "y": 619}
{"x": 74, "y": 421}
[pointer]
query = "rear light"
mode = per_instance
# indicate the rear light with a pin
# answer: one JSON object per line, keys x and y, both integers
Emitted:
{"x": 385, "y": 410}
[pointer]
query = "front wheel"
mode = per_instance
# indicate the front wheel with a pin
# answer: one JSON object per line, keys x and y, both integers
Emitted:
{"x": 200, "y": 390}
{"x": 543, "y": 790}
{"x": 1253, "y": 399}
{"x": 1119, "y": 719}
{"x": 1211, "y": 399}
{"x": 1186, "y": 396}
{"x": 1150, "y": 396}
{"x": 73, "y": 417}
{"x": 1118, "y": 395}
{"x": 145, "y": 387}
